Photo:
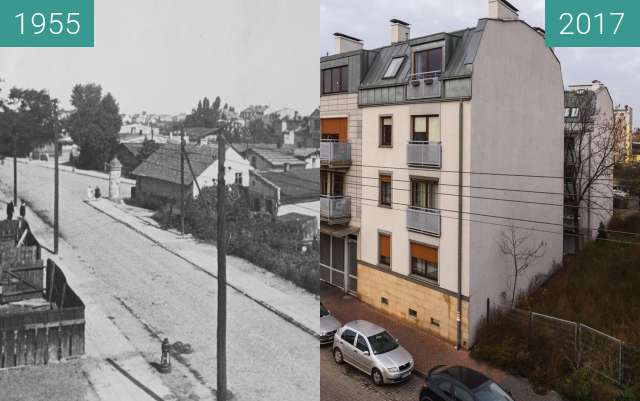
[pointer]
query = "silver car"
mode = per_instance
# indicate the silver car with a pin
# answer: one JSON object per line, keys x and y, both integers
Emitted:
{"x": 373, "y": 350}
{"x": 328, "y": 326}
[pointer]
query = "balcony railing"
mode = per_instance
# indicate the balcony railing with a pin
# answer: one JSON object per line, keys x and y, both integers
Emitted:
{"x": 424, "y": 154}
{"x": 424, "y": 85}
{"x": 335, "y": 209}
{"x": 423, "y": 220}
{"x": 334, "y": 153}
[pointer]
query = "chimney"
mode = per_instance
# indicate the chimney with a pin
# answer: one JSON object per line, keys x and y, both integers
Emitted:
{"x": 346, "y": 43}
{"x": 399, "y": 31}
{"x": 502, "y": 9}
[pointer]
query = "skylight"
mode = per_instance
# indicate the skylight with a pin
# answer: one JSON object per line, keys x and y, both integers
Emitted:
{"x": 394, "y": 67}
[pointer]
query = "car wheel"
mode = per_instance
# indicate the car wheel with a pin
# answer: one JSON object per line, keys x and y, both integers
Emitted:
{"x": 377, "y": 378}
{"x": 337, "y": 356}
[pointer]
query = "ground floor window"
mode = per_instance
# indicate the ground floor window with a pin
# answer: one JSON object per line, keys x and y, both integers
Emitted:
{"x": 424, "y": 261}
{"x": 384, "y": 249}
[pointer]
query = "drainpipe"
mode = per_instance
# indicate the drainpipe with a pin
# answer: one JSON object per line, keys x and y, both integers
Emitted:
{"x": 460, "y": 167}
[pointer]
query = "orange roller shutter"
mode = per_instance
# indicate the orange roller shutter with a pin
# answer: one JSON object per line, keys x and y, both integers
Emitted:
{"x": 385, "y": 245}
{"x": 334, "y": 126}
{"x": 425, "y": 253}
{"x": 385, "y": 178}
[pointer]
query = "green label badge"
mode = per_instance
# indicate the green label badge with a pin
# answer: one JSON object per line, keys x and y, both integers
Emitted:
{"x": 592, "y": 23}
{"x": 46, "y": 23}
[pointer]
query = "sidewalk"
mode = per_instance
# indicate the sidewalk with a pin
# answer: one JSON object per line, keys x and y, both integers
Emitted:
{"x": 109, "y": 357}
{"x": 428, "y": 351}
{"x": 69, "y": 169}
{"x": 280, "y": 296}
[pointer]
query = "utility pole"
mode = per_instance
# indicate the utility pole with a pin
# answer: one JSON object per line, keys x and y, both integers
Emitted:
{"x": 56, "y": 193}
{"x": 182, "y": 181}
{"x": 15, "y": 168}
{"x": 221, "y": 242}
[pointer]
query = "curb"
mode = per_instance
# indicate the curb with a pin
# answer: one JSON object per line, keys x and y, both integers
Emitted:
{"x": 264, "y": 304}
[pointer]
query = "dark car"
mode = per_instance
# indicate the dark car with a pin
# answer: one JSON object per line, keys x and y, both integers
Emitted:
{"x": 457, "y": 383}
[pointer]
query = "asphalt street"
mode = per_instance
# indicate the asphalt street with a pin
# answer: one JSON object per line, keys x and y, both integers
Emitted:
{"x": 150, "y": 294}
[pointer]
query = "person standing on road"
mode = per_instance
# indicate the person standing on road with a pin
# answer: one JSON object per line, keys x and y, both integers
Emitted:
{"x": 10, "y": 210}
{"x": 23, "y": 209}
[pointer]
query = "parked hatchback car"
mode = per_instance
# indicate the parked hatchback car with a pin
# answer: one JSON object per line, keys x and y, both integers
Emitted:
{"x": 371, "y": 349}
{"x": 457, "y": 383}
{"x": 328, "y": 326}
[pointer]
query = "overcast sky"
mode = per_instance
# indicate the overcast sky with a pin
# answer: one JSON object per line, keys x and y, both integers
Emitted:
{"x": 163, "y": 55}
{"x": 369, "y": 21}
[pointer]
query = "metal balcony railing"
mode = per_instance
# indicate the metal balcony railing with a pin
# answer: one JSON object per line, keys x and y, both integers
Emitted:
{"x": 424, "y": 154}
{"x": 335, "y": 153}
{"x": 335, "y": 209}
{"x": 424, "y": 85}
{"x": 423, "y": 220}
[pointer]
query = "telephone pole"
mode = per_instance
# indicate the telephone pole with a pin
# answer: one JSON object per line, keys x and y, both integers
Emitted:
{"x": 56, "y": 193}
{"x": 15, "y": 168}
{"x": 182, "y": 181}
{"x": 221, "y": 243}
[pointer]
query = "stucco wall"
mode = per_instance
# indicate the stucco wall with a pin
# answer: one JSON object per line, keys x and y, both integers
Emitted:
{"x": 517, "y": 128}
{"x": 234, "y": 164}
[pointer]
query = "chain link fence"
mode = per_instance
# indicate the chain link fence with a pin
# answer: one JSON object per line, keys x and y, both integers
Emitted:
{"x": 581, "y": 345}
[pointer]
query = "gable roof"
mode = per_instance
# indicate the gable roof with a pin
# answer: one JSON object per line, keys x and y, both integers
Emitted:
{"x": 164, "y": 163}
{"x": 277, "y": 157}
{"x": 295, "y": 185}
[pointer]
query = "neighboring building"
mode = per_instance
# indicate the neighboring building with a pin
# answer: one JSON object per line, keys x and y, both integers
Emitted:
{"x": 407, "y": 153}
{"x": 200, "y": 135}
{"x": 624, "y": 118}
{"x": 252, "y": 113}
{"x": 305, "y": 224}
{"x": 264, "y": 159}
{"x": 590, "y": 106}
{"x": 311, "y": 156}
{"x": 159, "y": 176}
{"x": 138, "y": 129}
{"x": 296, "y": 190}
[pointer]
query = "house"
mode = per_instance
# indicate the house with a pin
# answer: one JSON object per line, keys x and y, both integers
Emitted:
{"x": 589, "y": 106}
{"x": 285, "y": 192}
{"x": 159, "y": 176}
{"x": 311, "y": 156}
{"x": 624, "y": 116}
{"x": 408, "y": 151}
{"x": 268, "y": 159}
{"x": 253, "y": 113}
{"x": 127, "y": 154}
{"x": 200, "y": 135}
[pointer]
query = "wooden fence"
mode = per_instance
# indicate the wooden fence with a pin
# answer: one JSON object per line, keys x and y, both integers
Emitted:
{"x": 44, "y": 336}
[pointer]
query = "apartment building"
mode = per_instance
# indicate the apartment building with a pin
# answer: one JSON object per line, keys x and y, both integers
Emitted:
{"x": 624, "y": 116}
{"x": 454, "y": 137}
{"x": 591, "y": 135}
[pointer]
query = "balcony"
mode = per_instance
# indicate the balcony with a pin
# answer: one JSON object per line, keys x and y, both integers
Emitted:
{"x": 335, "y": 154}
{"x": 424, "y": 154}
{"x": 335, "y": 209}
{"x": 422, "y": 220}
{"x": 424, "y": 85}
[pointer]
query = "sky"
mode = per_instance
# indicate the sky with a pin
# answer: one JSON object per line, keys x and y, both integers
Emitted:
{"x": 162, "y": 56}
{"x": 369, "y": 20}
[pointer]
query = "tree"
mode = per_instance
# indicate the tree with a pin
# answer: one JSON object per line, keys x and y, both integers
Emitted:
{"x": 515, "y": 246}
{"x": 148, "y": 147}
{"x": 206, "y": 114}
{"x": 94, "y": 125}
{"x": 35, "y": 121}
{"x": 592, "y": 140}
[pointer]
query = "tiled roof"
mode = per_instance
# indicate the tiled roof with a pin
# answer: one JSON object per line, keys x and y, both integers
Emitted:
{"x": 296, "y": 185}
{"x": 199, "y": 132}
{"x": 164, "y": 163}
{"x": 277, "y": 157}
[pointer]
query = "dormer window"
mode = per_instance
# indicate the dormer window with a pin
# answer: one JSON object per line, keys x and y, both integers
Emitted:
{"x": 427, "y": 63}
{"x": 394, "y": 67}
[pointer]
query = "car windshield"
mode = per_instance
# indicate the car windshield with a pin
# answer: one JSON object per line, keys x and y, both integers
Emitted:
{"x": 492, "y": 392}
{"x": 323, "y": 311}
{"x": 382, "y": 342}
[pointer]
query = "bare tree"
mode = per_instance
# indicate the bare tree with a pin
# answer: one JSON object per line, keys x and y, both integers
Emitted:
{"x": 592, "y": 143}
{"x": 514, "y": 245}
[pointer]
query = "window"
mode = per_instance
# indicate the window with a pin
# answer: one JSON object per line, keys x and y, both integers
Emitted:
{"x": 575, "y": 112}
{"x": 268, "y": 205}
{"x": 384, "y": 249}
{"x": 423, "y": 194}
{"x": 349, "y": 336}
{"x": 385, "y": 190}
{"x": 335, "y": 80}
{"x": 424, "y": 261}
{"x": 425, "y": 129}
{"x": 567, "y": 111}
{"x": 435, "y": 322}
{"x": 331, "y": 184}
{"x": 427, "y": 61}
{"x": 394, "y": 67}
{"x": 384, "y": 301}
{"x": 386, "y": 131}
{"x": 361, "y": 344}
{"x": 238, "y": 179}
{"x": 413, "y": 313}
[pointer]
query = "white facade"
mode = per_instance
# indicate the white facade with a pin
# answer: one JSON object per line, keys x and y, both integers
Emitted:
{"x": 236, "y": 168}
